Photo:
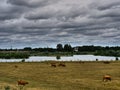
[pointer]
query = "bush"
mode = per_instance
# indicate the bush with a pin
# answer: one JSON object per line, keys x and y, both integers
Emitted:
{"x": 96, "y": 59}
{"x": 23, "y": 60}
{"x": 58, "y": 57}
{"x": 116, "y": 59}
{"x": 7, "y": 87}
{"x": 13, "y": 55}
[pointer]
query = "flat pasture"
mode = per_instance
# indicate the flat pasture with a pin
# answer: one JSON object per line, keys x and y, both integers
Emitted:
{"x": 74, "y": 76}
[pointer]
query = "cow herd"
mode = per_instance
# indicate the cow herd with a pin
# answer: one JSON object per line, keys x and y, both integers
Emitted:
{"x": 106, "y": 77}
{"x": 23, "y": 83}
{"x": 62, "y": 64}
{"x": 54, "y": 64}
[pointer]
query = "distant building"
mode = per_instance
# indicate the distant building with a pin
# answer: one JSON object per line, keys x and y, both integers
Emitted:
{"x": 76, "y": 48}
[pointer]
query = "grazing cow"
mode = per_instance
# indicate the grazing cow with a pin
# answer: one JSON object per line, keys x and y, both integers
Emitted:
{"x": 62, "y": 64}
{"x": 106, "y": 62}
{"x": 21, "y": 82}
{"x": 81, "y": 62}
{"x": 53, "y": 65}
{"x": 107, "y": 78}
{"x": 16, "y": 66}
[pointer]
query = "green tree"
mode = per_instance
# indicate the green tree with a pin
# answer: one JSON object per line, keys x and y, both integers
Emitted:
{"x": 27, "y": 48}
{"x": 59, "y": 47}
{"x": 68, "y": 48}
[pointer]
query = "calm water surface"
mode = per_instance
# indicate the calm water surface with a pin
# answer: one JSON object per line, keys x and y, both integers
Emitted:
{"x": 64, "y": 58}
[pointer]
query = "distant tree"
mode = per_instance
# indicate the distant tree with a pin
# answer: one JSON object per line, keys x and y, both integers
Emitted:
{"x": 59, "y": 47}
{"x": 67, "y": 47}
{"x": 58, "y": 57}
{"x": 107, "y": 47}
{"x": 27, "y": 48}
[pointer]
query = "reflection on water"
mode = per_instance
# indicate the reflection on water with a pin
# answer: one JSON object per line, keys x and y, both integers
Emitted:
{"x": 63, "y": 58}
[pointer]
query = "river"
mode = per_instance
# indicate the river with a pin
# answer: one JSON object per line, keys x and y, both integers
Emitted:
{"x": 63, "y": 58}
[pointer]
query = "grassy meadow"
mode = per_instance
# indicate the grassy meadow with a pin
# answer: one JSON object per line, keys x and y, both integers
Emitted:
{"x": 75, "y": 76}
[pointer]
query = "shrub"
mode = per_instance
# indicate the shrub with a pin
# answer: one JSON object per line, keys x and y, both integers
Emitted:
{"x": 116, "y": 58}
{"x": 23, "y": 60}
{"x": 58, "y": 57}
{"x": 7, "y": 87}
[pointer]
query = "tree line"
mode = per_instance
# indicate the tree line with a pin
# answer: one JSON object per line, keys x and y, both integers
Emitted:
{"x": 14, "y": 55}
{"x": 65, "y": 49}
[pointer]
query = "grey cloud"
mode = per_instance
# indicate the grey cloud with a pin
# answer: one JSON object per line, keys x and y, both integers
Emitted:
{"x": 50, "y": 21}
{"x": 62, "y": 12}
{"x": 60, "y": 15}
{"x": 111, "y": 14}
{"x": 105, "y": 10}
{"x": 8, "y": 16}
{"x": 18, "y": 2}
{"x": 109, "y": 6}
{"x": 104, "y": 4}
{"x": 11, "y": 12}
{"x": 31, "y": 3}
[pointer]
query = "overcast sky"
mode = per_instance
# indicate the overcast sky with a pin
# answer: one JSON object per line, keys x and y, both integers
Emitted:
{"x": 42, "y": 23}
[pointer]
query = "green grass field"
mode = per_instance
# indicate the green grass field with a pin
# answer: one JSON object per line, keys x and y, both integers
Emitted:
{"x": 75, "y": 76}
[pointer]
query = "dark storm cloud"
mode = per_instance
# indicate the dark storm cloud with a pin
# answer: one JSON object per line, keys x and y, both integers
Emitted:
{"x": 109, "y": 6}
{"x": 60, "y": 14}
{"x": 9, "y": 14}
{"x": 31, "y": 22}
{"x": 31, "y": 3}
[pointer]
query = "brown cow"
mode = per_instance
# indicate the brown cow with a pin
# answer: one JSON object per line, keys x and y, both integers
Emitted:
{"x": 16, "y": 66}
{"x": 106, "y": 62}
{"x": 62, "y": 64}
{"x": 21, "y": 82}
{"x": 53, "y": 64}
{"x": 81, "y": 62}
{"x": 106, "y": 78}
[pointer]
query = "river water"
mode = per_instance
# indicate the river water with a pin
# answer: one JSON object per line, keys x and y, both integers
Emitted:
{"x": 63, "y": 58}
